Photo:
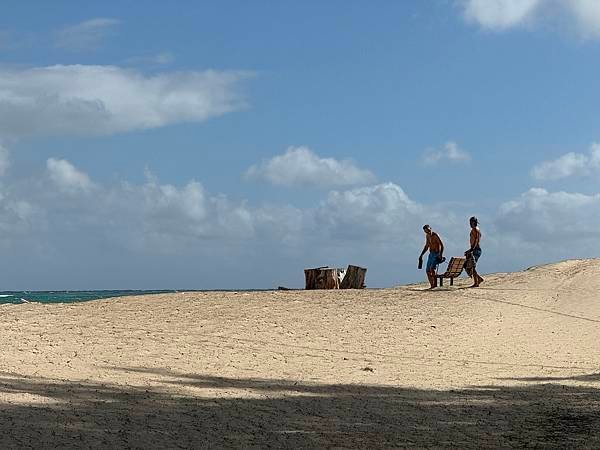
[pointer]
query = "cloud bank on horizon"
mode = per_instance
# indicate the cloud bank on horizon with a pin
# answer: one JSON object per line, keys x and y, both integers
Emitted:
{"x": 377, "y": 222}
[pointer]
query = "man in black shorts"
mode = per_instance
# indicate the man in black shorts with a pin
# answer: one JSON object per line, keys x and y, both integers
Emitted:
{"x": 474, "y": 253}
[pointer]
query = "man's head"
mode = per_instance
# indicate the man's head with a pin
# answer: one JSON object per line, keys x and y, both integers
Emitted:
{"x": 427, "y": 229}
{"x": 473, "y": 221}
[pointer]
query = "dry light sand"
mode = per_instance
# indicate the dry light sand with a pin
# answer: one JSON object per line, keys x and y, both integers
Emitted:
{"x": 515, "y": 363}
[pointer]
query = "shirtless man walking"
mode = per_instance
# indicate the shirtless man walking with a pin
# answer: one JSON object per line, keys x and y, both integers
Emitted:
{"x": 474, "y": 253}
{"x": 435, "y": 246}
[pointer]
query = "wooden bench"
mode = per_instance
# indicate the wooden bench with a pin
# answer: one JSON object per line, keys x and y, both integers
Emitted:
{"x": 455, "y": 268}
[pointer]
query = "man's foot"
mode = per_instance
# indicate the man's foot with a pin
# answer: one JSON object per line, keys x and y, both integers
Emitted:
{"x": 481, "y": 280}
{"x": 474, "y": 285}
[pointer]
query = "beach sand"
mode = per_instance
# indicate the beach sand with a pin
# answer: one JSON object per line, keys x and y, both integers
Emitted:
{"x": 514, "y": 363}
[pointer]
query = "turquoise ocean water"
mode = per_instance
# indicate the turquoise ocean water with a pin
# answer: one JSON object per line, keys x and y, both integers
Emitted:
{"x": 65, "y": 296}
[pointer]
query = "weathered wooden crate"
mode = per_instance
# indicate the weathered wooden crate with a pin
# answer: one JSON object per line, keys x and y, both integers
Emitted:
{"x": 335, "y": 278}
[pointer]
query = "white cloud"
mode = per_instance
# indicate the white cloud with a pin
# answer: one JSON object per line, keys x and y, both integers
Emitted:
{"x": 565, "y": 166}
{"x": 22, "y": 210}
{"x": 556, "y": 218}
{"x": 587, "y": 16}
{"x": 370, "y": 213}
{"x": 67, "y": 177}
{"x": 160, "y": 213}
{"x": 18, "y": 219}
{"x": 300, "y": 166}
{"x": 95, "y": 100}
{"x": 87, "y": 35}
{"x": 499, "y": 15}
{"x": 188, "y": 211}
{"x": 450, "y": 152}
{"x": 570, "y": 164}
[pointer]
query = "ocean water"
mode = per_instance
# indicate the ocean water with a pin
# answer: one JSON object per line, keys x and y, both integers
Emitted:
{"x": 17, "y": 297}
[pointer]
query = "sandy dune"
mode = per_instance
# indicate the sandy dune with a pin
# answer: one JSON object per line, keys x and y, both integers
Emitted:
{"x": 514, "y": 363}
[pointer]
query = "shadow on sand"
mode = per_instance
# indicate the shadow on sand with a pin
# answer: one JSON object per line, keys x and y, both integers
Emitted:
{"x": 282, "y": 413}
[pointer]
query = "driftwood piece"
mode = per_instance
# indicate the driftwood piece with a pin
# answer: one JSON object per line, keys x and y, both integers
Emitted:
{"x": 354, "y": 278}
{"x": 322, "y": 278}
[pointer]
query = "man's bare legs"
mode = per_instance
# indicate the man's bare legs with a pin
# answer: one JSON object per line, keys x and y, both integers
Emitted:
{"x": 432, "y": 279}
{"x": 477, "y": 280}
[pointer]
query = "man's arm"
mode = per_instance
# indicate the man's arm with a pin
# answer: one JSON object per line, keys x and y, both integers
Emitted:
{"x": 424, "y": 248}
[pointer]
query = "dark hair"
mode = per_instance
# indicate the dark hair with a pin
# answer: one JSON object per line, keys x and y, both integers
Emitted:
{"x": 426, "y": 227}
{"x": 474, "y": 220}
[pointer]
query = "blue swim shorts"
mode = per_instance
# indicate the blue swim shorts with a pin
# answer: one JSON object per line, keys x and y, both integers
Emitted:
{"x": 432, "y": 261}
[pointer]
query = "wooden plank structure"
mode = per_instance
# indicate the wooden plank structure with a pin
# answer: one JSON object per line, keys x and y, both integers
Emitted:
{"x": 322, "y": 278}
{"x": 354, "y": 278}
{"x": 335, "y": 278}
{"x": 455, "y": 268}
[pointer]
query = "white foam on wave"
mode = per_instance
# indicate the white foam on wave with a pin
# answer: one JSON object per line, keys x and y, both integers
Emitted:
{"x": 6, "y": 295}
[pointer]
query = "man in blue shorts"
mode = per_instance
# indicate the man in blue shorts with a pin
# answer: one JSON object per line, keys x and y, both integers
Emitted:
{"x": 435, "y": 246}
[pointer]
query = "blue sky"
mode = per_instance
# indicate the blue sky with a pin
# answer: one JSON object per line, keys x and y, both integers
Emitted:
{"x": 231, "y": 144}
